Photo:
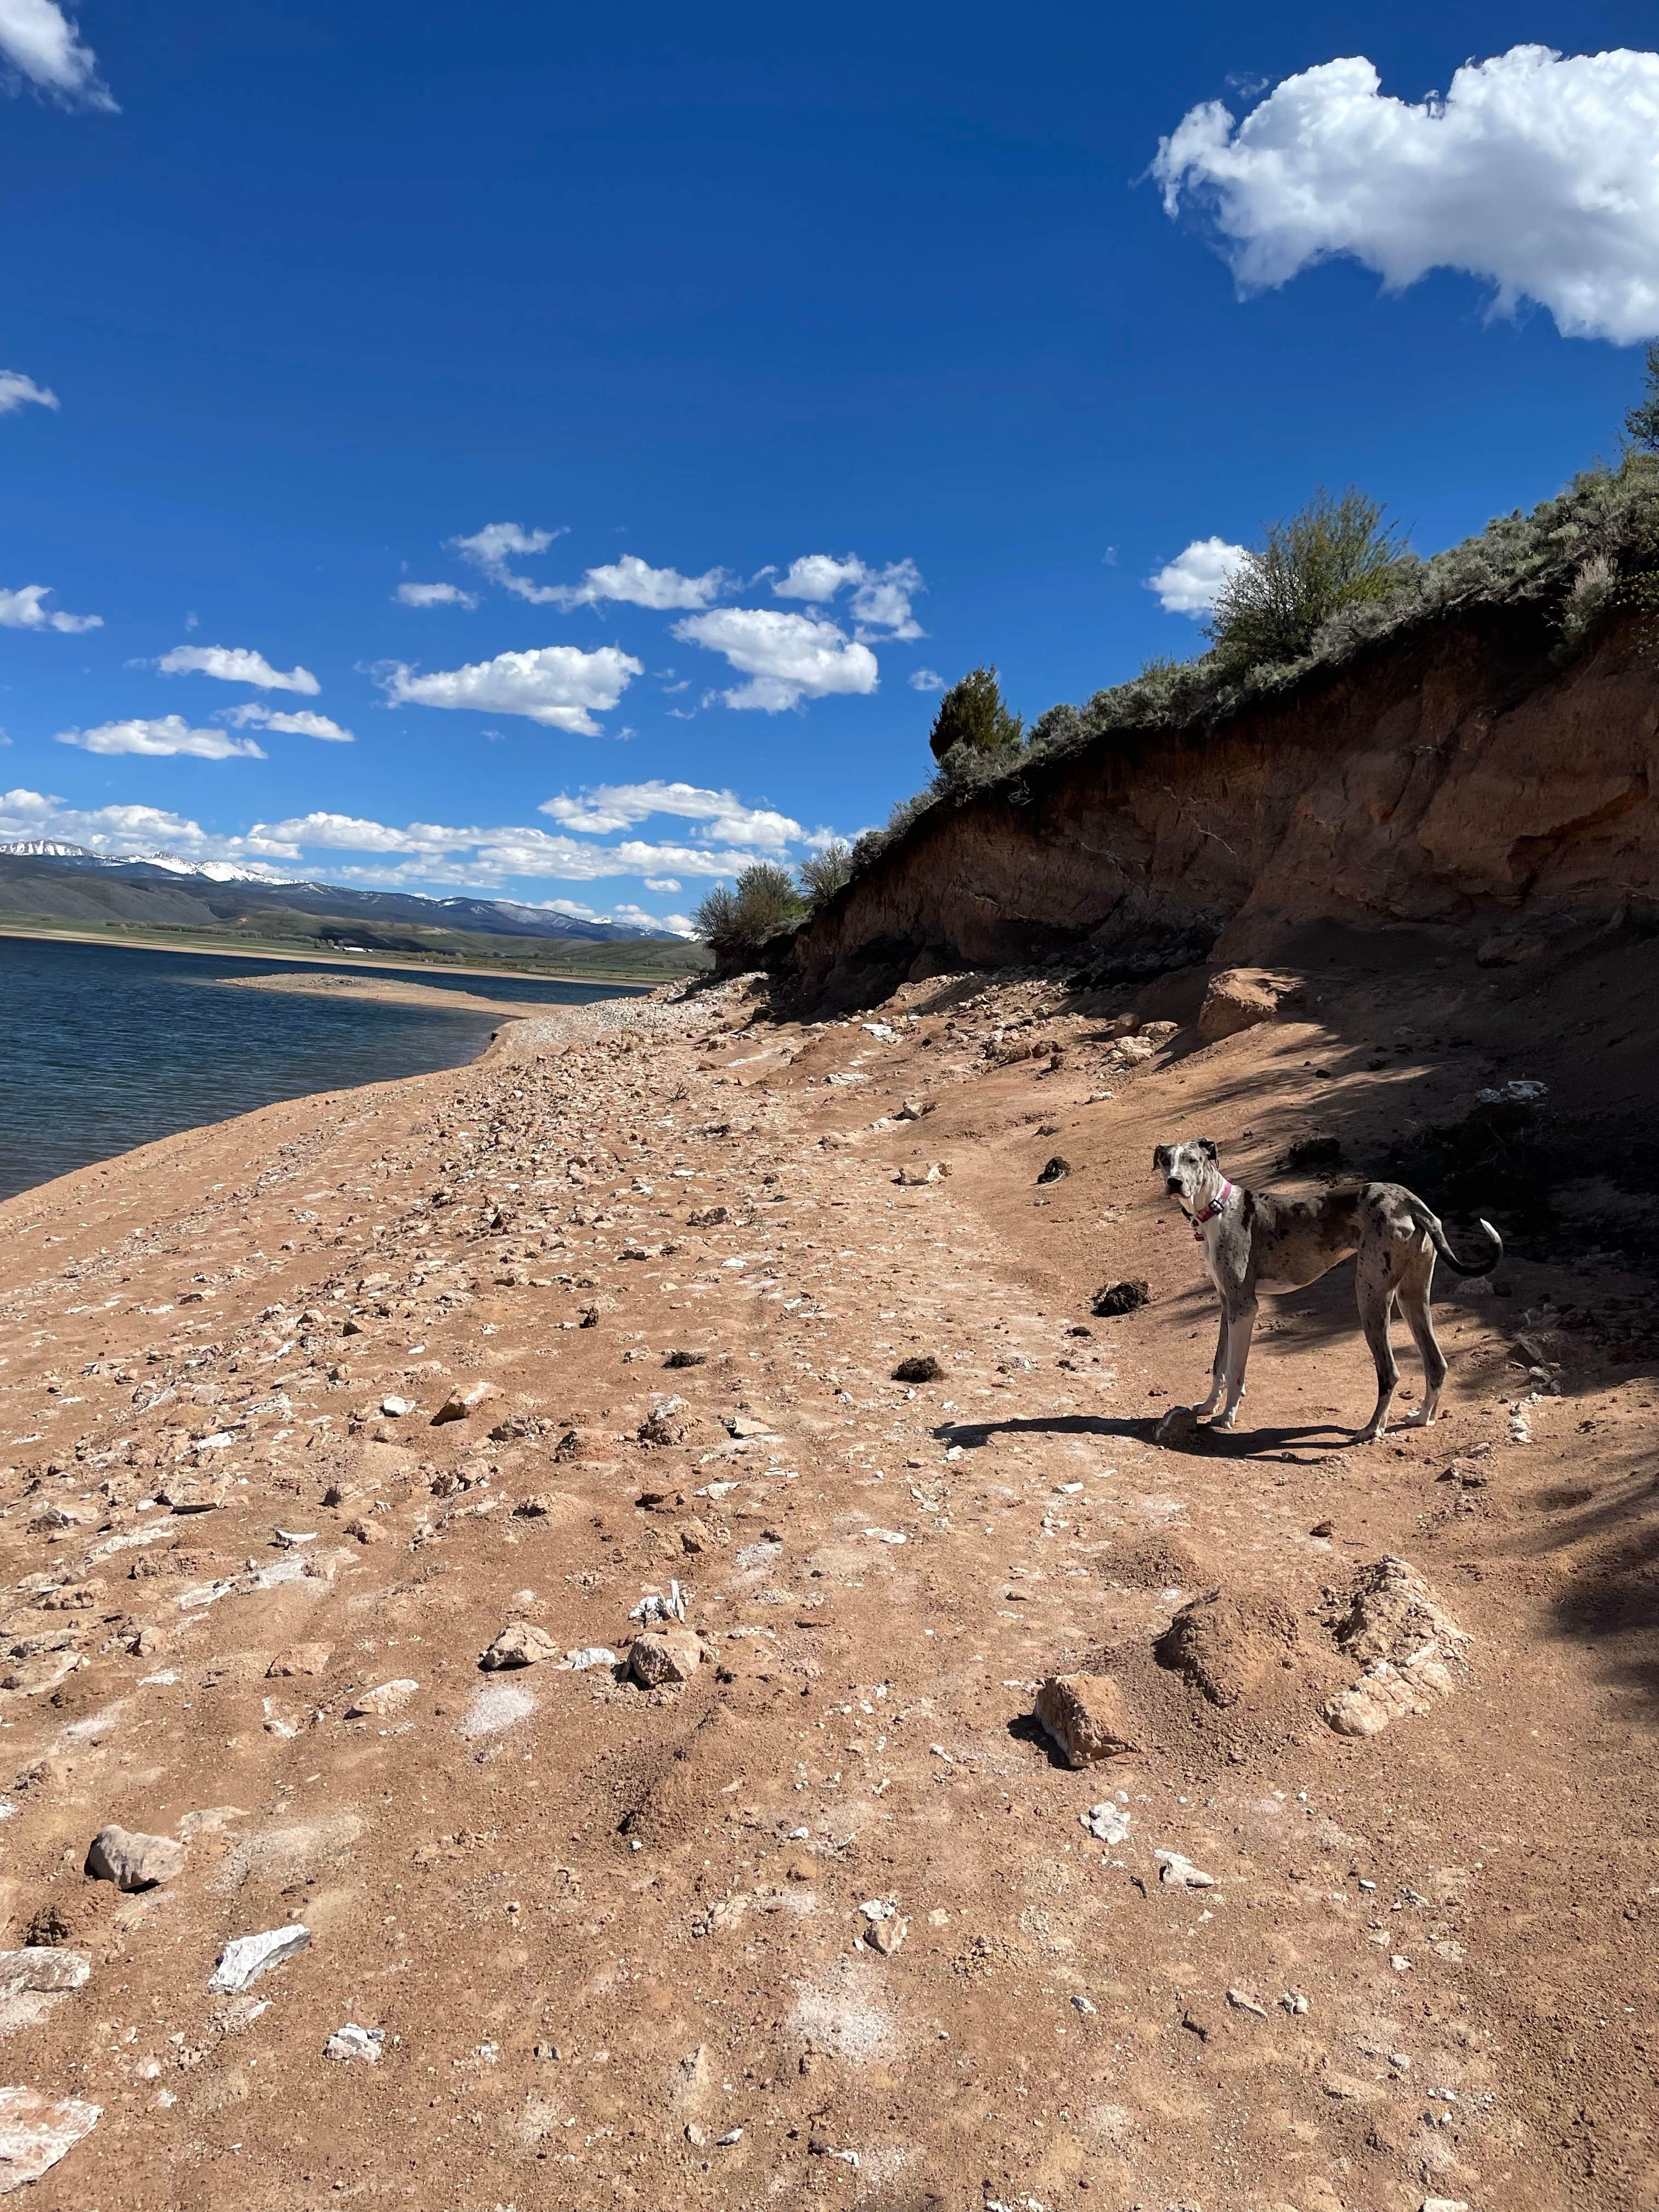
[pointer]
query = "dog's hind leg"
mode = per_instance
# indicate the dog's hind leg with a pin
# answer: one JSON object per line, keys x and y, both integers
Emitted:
{"x": 1218, "y": 1372}
{"x": 1239, "y": 1326}
{"x": 1414, "y": 1304}
{"x": 1375, "y": 1313}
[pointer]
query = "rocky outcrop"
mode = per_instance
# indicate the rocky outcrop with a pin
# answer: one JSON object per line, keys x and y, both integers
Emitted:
{"x": 1456, "y": 776}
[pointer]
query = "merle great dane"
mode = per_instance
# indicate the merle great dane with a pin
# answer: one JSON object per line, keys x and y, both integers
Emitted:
{"x": 1250, "y": 1239}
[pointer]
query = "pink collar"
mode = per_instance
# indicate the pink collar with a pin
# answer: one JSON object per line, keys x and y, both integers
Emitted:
{"x": 1211, "y": 1210}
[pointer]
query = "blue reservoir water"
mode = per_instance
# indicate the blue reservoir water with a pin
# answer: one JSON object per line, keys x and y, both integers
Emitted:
{"x": 103, "y": 1048}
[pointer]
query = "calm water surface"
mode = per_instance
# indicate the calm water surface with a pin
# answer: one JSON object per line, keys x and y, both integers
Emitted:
{"x": 102, "y": 1048}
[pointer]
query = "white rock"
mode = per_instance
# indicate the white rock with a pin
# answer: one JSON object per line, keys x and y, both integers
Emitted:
{"x": 386, "y": 1698}
{"x": 354, "y": 2042}
{"x": 35, "y": 2133}
{"x": 1180, "y": 1873}
{"x": 395, "y": 1408}
{"x": 591, "y": 1655}
{"x": 245, "y": 1958}
{"x": 1106, "y": 1821}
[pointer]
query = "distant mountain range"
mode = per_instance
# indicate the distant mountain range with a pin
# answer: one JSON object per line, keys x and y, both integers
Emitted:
{"x": 46, "y": 877}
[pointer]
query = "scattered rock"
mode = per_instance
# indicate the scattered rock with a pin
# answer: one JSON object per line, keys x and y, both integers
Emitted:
{"x": 386, "y": 1698}
{"x": 245, "y": 1958}
{"x": 660, "y": 1655}
{"x": 351, "y": 2042}
{"x": 1107, "y": 1822}
{"x": 590, "y": 1654}
{"x": 913, "y": 1177}
{"x": 44, "y": 1968}
{"x": 520, "y": 1643}
{"x": 132, "y": 1860}
{"x": 365, "y": 1531}
{"x": 1242, "y": 2001}
{"x": 396, "y": 1408}
{"x": 1120, "y": 1297}
{"x": 1176, "y": 1872}
{"x": 1409, "y": 1647}
{"x": 300, "y": 1659}
{"x": 1087, "y": 1716}
{"x": 926, "y": 1369}
{"x": 1056, "y": 1169}
{"x": 668, "y": 1423}
{"x": 686, "y": 1359}
{"x": 1226, "y": 1646}
{"x": 460, "y": 1403}
{"x": 35, "y": 2132}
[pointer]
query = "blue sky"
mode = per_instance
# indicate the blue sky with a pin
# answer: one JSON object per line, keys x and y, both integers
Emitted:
{"x": 812, "y": 359}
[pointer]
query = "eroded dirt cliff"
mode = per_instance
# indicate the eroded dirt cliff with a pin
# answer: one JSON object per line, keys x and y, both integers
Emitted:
{"x": 1456, "y": 776}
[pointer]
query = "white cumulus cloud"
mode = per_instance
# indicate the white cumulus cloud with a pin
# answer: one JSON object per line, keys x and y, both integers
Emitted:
{"x": 925, "y": 679}
{"x": 19, "y": 391}
{"x": 40, "y": 42}
{"x": 125, "y": 828}
{"x": 493, "y": 855}
{"x": 435, "y": 595}
{"x": 1192, "y": 582}
{"x": 881, "y": 598}
{"x": 164, "y": 734}
{"x": 1534, "y": 172}
{"x": 636, "y": 584}
{"x": 786, "y": 657}
{"x": 557, "y": 685}
{"x": 22, "y": 610}
{"x": 612, "y": 806}
{"x": 301, "y": 722}
{"x": 236, "y": 664}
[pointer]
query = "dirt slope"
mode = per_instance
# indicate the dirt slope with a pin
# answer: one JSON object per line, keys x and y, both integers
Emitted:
{"x": 826, "y": 1923}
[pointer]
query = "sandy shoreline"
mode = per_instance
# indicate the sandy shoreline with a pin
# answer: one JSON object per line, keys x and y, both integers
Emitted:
{"x": 830, "y": 1890}
{"x": 386, "y": 992}
{"x": 332, "y": 960}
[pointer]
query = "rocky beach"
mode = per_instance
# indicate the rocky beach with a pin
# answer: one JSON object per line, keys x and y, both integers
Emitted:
{"x": 551, "y": 1607}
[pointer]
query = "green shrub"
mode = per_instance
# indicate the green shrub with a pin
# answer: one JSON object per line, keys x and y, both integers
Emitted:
{"x": 1642, "y": 424}
{"x": 973, "y": 716}
{"x": 737, "y": 921}
{"x": 822, "y": 873}
{"x": 1336, "y": 553}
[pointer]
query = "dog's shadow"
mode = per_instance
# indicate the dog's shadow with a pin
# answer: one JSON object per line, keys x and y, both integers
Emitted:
{"x": 1204, "y": 1441}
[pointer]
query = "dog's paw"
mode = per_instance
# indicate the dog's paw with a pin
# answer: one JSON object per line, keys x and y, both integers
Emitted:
{"x": 1422, "y": 1418}
{"x": 1369, "y": 1436}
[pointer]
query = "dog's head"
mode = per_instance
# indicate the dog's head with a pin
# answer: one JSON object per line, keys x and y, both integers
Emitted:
{"x": 1190, "y": 1170}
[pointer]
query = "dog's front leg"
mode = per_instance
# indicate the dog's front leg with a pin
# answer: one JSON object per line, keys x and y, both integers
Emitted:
{"x": 1241, "y": 1323}
{"x": 1218, "y": 1372}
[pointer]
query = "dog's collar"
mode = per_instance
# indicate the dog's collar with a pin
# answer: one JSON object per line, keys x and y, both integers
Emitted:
{"x": 1216, "y": 1206}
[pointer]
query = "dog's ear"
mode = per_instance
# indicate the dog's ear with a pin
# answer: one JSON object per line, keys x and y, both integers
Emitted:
{"x": 1207, "y": 1144}
{"x": 1162, "y": 1158}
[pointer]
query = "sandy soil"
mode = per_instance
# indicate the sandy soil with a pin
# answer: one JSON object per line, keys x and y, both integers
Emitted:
{"x": 386, "y": 992}
{"x": 826, "y": 1923}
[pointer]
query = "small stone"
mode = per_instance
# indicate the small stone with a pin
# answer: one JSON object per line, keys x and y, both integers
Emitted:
{"x": 1179, "y": 1872}
{"x": 354, "y": 2042}
{"x": 1082, "y": 2005}
{"x": 396, "y": 1408}
{"x": 366, "y": 1532}
{"x": 245, "y": 1958}
{"x": 1242, "y": 2001}
{"x": 670, "y": 1655}
{"x": 1087, "y": 1716}
{"x": 520, "y": 1643}
{"x": 132, "y": 1860}
{"x": 1445, "y": 2204}
{"x": 590, "y": 1654}
{"x": 1107, "y": 1823}
{"x": 458, "y": 1404}
{"x": 1056, "y": 1169}
{"x": 1294, "y": 2003}
{"x": 696, "y": 2136}
{"x": 888, "y": 1935}
{"x": 300, "y": 1659}
{"x": 386, "y": 1698}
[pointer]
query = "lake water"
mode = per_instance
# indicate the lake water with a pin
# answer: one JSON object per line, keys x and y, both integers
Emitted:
{"x": 104, "y": 1048}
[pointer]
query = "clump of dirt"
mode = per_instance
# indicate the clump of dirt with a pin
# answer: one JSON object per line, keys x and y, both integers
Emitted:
{"x": 926, "y": 1369}
{"x": 1120, "y": 1297}
{"x": 1154, "y": 1563}
{"x": 1228, "y": 1646}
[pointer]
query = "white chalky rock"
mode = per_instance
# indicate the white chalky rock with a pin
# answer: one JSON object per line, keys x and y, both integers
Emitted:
{"x": 35, "y": 2133}
{"x": 1180, "y": 1873}
{"x": 245, "y": 1958}
{"x": 351, "y": 2042}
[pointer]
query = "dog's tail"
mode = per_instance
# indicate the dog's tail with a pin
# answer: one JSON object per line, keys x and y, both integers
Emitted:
{"x": 1430, "y": 1226}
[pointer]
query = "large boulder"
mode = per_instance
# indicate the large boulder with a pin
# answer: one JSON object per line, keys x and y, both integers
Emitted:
{"x": 1240, "y": 998}
{"x": 1087, "y": 1717}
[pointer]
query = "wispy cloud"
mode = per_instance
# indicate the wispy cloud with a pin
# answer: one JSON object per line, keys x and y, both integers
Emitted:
{"x": 164, "y": 734}
{"x": 786, "y": 657}
{"x": 925, "y": 679}
{"x": 43, "y": 45}
{"x": 236, "y": 664}
{"x": 435, "y": 595}
{"x": 301, "y": 722}
{"x": 557, "y": 685}
{"x": 881, "y": 598}
{"x": 19, "y": 391}
{"x": 22, "y": 610}
{"x": 607, "y": 807}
